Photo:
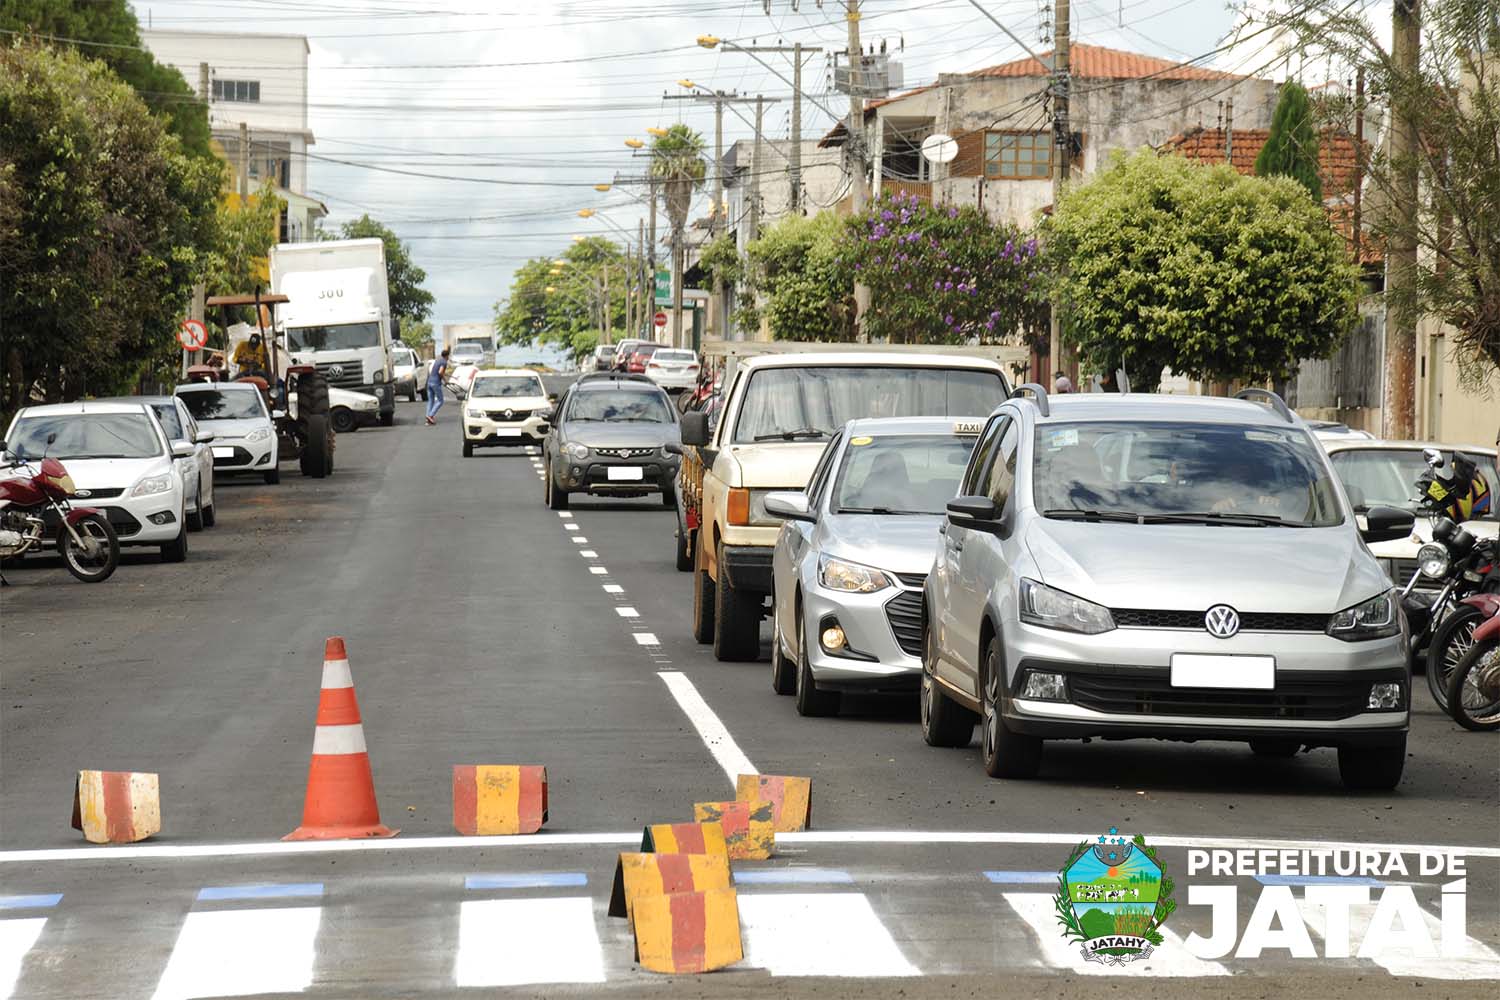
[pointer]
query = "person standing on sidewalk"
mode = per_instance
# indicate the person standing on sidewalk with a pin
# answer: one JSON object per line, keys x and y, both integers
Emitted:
{"x": 435, "y": 378}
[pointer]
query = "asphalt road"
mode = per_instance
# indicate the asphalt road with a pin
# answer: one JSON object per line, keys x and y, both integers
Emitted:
{"x": 484, "y": 628}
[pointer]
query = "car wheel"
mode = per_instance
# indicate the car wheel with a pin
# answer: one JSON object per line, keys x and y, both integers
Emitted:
{"x": 388, "y": 418}
{"x": 556, "y": 499}
{"x": 272, "y": 476}
{"x": 668, "y": 497}
{"x": 783, "y": 678}
{"x": 945, "y": 723}
{"x": 736, "y": 620}
{"x": 810, "y": 701}
{"x": 411, "y": 394}
{"x": 1372, "y": 768}
{"x": 1006, "y": 754}
{"x": 195, "y": 517}
{"x": 684, "y": 550}
{"x": 468, "y": 450}
{"x": 343, "y": 420}
{"x": 176, "y": 550}
{"x": 1275, "y": 748}
{"x": 703, "y": 599}
{"x": 210, "y": 516}
{"x": 1450, "y": 641}
{"x": 422, "y": 395}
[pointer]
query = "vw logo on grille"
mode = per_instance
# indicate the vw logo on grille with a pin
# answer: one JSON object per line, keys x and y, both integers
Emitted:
{"x": 83, "y": 493}
{"x": 337, "y": 371}
{"x": 1222, "y": 621}
{"x": 510, "y": 414}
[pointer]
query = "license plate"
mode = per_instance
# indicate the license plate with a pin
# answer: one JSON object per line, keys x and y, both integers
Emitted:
{"x": 223, "y": 452}
{"x": 502, "y": 433}
{"x": 619, "y": 472}
{"x": 1192, "y": 670}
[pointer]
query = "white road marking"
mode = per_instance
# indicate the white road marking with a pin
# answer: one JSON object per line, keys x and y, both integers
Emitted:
{"x": 598, "y": 570}
{"x": 627, "y": 612}
{"x": 580, "y": 540}
{"x": 516, "y": 942}
{"x": 588, "y": 553}
{"x": 17, "y": 937}
{"x": 646, "y": 639}
{"x": 818, "y": 934}
{"x": 1479, "y": 961}
{"x": 710, "y": 727}
{"x": 241, "y": 953}
{"x": 570, "y": 526}
{"x": 1056, "y": 952}
{"x": 565, "y": 515}
{"x": 613, "y": 588}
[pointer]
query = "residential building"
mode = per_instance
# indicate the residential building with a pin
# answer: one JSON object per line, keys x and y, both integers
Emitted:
{"x": 258, "y": 81}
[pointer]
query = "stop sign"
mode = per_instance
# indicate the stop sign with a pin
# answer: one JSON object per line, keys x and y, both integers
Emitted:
{"x": 660, "y": 319}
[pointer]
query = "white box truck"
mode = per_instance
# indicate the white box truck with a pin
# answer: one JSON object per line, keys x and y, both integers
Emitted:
{"x": 338, "y": 314}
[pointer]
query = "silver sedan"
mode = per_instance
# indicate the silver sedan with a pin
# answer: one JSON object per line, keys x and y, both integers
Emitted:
{"x": 853, "y": 553}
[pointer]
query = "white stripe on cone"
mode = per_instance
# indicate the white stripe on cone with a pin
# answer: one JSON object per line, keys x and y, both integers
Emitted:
{"x": 339, "y": 739}
{"x": 336, "y": 674}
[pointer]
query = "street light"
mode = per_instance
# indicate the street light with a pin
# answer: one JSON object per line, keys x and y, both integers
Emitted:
{"x": 658, "y": 132}
{"x": 602, "y": 187}
{"x": 584, "y": 213}
{"x": 708, "y": 41}
{"x": 634, "y": 143}
{"x": 689, "y": 84}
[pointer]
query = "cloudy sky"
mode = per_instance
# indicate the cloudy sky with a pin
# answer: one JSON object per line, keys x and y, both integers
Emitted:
{"x": 476, "y": 128}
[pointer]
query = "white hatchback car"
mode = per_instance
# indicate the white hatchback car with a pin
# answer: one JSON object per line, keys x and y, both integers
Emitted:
{"x": 504, "y": 407}
{"x": 235, "y": 413}
{"x": 121, "y": 463}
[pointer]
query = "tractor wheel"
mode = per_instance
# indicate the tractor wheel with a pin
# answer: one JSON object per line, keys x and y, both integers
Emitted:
{"x": 317, "y": 453}
{"x": 312, "y": 395}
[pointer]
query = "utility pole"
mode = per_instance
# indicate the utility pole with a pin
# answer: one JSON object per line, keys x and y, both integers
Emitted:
{"x": 244, "y": 164}
{"x": 1359, "y": 159}
{"x": 1229, "y": 130}
{"x": 795, "y": 204}
{"x": 856, "y": 126}
{"x": 196, "y": 305}
{"x": 754, "y": 191}
{"x": 645, "y": 303}
{"x": 1062, "y": 147}
{"x": 1398, "y": 403}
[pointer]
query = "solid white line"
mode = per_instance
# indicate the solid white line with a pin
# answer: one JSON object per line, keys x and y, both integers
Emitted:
{"x": 710, "y": 728}
{"x": 518, "y": 942}
{"x": 17, "y": 937}
{"x": 627, "y": 612}
{"x": 818, "y": 934}
{"x": 242, "y": 951}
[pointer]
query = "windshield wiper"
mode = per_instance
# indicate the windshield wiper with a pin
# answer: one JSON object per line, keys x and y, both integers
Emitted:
{"x": 1074, "y": 514}
{"x": 878, "y": 510}
{"x": 809, "y": 433}
{"x": 1237, "y": 518}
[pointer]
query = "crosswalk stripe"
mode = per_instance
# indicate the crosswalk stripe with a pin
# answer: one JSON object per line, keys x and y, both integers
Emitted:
{"x": 1478, "y": 961}
{"x": 1171, "y": 959}
{"x": 517, "y": 942}
{"x": 17, "y": 937}
{"x": 241, "y": 953}
{"x": 818, "y": 934}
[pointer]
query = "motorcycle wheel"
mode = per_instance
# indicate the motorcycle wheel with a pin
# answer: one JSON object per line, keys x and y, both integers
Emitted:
{"x": 1451, "y": 639}
{"x": 1474, "y": 688}
{"x": 95, "y": 566}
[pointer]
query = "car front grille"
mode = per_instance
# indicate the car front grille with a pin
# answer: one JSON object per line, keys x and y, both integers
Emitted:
{"x": 501, "y": 415}
{"x": 625, "y": 452}
{"x": 1293, "y": 698}
{"x": 105, "y": 494}
{"x": 917, "y": 580}
{"x": 904, "y": 612}
{"x": 350, "y": 373}
{"x": 1250, "y": 621}
{"x": 1402, "y": 571}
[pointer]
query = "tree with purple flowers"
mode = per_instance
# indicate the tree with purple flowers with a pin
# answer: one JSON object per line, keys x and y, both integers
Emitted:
{"x": 945, "y": 275}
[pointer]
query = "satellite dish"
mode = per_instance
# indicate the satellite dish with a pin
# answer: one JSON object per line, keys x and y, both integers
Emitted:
{"x": 939, "y": 148}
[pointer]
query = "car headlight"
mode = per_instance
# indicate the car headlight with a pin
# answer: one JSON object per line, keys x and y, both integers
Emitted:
{"x": 259, "y": 435}
{"x": 1050, "y": 608}
{"x": 850, "y": 577}
{"x": 575, "y": 450}
{"x": 474, "y": 413}
{"x": 1433, "y": 560}
{"x": 1373, "y": 619}
{"x": 152, "y": 485}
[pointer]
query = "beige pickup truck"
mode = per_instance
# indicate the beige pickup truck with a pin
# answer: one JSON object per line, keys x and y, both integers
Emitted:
{"x": 778, "y": 413}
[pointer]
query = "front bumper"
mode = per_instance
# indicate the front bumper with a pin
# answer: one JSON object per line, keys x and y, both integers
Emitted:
{"x": 884, "y": 631}
{"x": 594, "y": 475}
{"x": 137, "y": 520}
{"x": 748, "y": 567}
{"x": 243, "y": 455}
{"x": 1119, "y": 686}
{"x": 482, "y": 432}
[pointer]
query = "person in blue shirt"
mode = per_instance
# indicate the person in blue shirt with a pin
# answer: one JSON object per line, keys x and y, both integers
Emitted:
{"x": 435, "y": 378}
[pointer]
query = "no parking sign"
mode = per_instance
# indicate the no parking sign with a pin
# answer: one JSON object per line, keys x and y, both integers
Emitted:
{"x": 192, "y": 335}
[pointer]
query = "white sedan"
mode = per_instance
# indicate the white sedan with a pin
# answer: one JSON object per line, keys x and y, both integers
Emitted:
{"x": 672, "y": 369}
{"x": 235, "y": 413}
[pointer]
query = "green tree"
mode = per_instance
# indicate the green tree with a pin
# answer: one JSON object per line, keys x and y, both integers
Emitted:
{"x": 1167, "y": 263}
{"x": 107, "y": 30}
{"x": 105, "y": 230}
{"x": 563, "y": 301}
{"x": 415, "y": 332}
{"x": 408, "y": 297}
{"x": 793, "y": 276}
{"x": 1291, "y": 150}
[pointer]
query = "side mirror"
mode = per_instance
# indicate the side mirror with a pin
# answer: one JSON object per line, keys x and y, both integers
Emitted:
{"x": 204, "y": 437}
{"x": 790, "y": 504}
{"x": 695, "y": 429}
{"x": 1386, "y": 524}
{"x": 672, "y": 448}
{"x": 552, "y": 397}
{"x": 980, "y": 513}
{"x": 181, "y": 449}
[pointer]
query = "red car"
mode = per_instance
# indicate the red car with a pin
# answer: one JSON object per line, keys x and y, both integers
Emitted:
{"x": 636, "y": 363}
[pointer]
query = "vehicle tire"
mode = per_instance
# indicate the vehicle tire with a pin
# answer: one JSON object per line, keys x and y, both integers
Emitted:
{"x": 1275, "y": 748}
{"x": 669, "y": 497}
{"x": 272, "y": 476}
{"x": 736, "y": 620}
{"x": 411, "y": 393}
{"x": 468, "y": 450}
{"x": 176, "y": 550}
{"x": 422, "y": 395}
{"x": 703, "y": 600}
{"x": 811, "y": 702}
{"x": 783, "y": 676}
{"x": 684, "y": 550}
{"x": 316, "y": 459}
{"x": 312, "y": 395}
{"x": 1006, "y": 754}
{"x": 1475, "y": 709}
{"x": 1372, "y": 768}
{"x": 210, "y": 516}
{"x": 945, "y": 723}
{"x": 95, "y": 568}
{"x": 1451, "y": 640}
{"x": 556, "y": 499}
{"x": 194, "y": 518}
{"x": 388, "y": 419}
{"x": 343, "y": 420}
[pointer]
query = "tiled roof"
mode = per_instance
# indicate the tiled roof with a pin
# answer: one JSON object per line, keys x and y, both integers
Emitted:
{"x": 1095, "y": 62}
{"x": 1337, "y": 157}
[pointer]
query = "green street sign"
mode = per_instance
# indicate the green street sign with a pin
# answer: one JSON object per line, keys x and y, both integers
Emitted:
{"x": 663, "y": 288}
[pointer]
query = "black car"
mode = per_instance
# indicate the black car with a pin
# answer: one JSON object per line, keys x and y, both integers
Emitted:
{"x": 609, "y": 437}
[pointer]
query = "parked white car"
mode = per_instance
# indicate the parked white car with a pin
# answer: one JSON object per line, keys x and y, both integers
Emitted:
{"x": 197, "y": 471}
{"x": 235, "y": 413}
{"x": 347, "y": 410}
{"x": 673, "y": 369}
{"x": 405, "y": 368}
{"x": 121, "y": 463}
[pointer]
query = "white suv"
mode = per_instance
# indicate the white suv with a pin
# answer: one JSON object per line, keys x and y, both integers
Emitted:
{"x": 504, "y": 408}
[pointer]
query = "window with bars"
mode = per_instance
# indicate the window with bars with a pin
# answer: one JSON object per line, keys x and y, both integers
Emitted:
{"x": 1018, "y": 155}
{"x": 243, "y": 91}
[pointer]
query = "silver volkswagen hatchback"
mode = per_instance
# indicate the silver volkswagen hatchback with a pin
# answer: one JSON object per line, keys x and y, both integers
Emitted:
{"x": 1172, "y": 567}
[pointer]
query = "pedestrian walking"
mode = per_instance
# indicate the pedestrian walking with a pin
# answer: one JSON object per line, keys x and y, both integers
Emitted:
{"x": 1062, "y": 383}
{"x": 435, "y": 378}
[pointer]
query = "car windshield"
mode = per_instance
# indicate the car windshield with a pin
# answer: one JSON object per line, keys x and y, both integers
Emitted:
{"x": 905, "y": 474}
{"x": 334, "y": 337}
{"x": 85, "y": 435}
{"x": 403, "y": 358}
{"x": 167, "y": 414}
{"x": 619, "y": 406}
{"x": 1387, "y": 476}
{"x": 811, "y": 403}
{"x": 212, "y": 404}
{"x": 467, "y": 351}
{"x": 1182, "y": 472}
{"x": 508, "y": 385}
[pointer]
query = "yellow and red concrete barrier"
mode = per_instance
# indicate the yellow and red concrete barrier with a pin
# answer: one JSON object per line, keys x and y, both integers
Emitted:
{"x": 117, "y": 807}
{"x": 684, "y": 838}
{"x": 503, "y": 799}
{"x": 790, "y": 798}
{"x": 749, "y": 830}
{"x": 686, "y": 932}
{"x": 638, "y": 875}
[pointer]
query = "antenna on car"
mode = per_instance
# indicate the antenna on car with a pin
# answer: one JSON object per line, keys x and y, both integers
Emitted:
{"x": 1036, "y": 391}
{"x": 1277, "y": 403}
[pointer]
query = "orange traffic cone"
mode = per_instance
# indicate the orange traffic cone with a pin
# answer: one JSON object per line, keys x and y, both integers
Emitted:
{"x": 340, "y": 789}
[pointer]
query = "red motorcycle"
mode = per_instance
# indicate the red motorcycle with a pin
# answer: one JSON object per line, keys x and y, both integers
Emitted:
{"x": 85, "y": 538}
{"x": 1474, "y": 688}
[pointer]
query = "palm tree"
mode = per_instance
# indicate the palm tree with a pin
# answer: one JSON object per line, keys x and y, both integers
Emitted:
{"x": 677, "y": 163}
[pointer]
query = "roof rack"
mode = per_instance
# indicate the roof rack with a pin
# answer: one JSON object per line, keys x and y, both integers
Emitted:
{"x": 1036, "y": 391}
{"x": 615, "y": 376}
{"x": 1277, "y": 403}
